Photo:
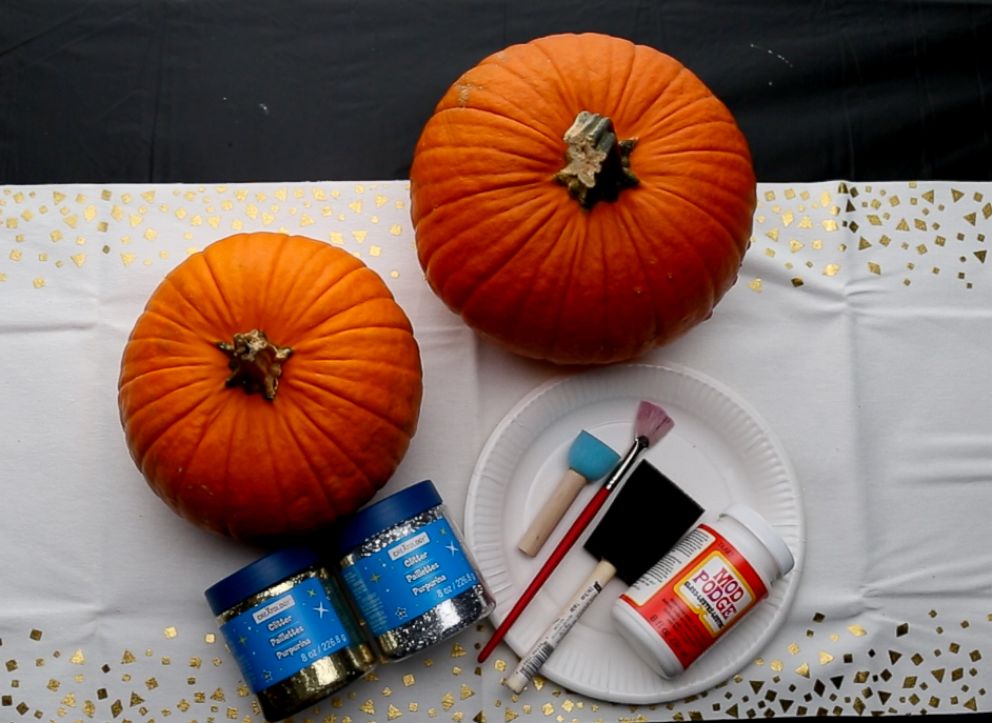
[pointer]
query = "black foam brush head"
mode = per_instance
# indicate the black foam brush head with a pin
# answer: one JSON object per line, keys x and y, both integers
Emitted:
{"x": 647, "y": 516}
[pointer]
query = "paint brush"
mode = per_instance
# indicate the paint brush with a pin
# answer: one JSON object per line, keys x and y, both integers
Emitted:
{"x": 651, "y": 424}
{"x": 589, "y": 459}
{"x": 645, "y": 519}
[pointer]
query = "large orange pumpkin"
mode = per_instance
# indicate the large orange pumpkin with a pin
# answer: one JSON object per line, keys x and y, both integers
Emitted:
{"x": 271, "y": 385}
{"x": 581, "y": 199}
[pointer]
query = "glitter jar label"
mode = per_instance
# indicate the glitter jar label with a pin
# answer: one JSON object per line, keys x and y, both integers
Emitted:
{"x": 409, "y": 574}
{"x": 280, "y": 637}
{"x": 410, "y": 577}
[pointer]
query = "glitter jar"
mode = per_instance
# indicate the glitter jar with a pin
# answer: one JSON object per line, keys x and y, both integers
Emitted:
{"x": 706, "y": 583}
{"x": 288, "y": 625}
{"x": 407, "y": 569}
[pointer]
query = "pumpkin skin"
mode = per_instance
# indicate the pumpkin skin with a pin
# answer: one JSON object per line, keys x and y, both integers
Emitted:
{"x": 345, "y": 406}
{"x": 504, "y": 244}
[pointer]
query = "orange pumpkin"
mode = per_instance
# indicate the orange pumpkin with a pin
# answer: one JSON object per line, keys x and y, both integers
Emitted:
{"x": 581, "y": 199}
{"x": 271, "y": 385}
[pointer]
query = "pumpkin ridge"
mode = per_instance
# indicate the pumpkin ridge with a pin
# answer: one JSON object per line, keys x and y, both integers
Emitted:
{"x": 672, "y": 109}
{"x": 528, "y": 190}
{"x": 220, "y": 289}
{"x": 658, "y": 100}
{"x": 338, "y": 394}
{"x": 177, "y": 420}
{"x": 492, "y": 149}
{"x": 301, "y": 409}
{"x": 284, "y": 486}
{"x": 473, "y": 199}
{"x": 523, "y": 237}
{"x": 324, "y": 336}
{"x": 386, "y": 365}
{"x": 331, "y": 289}
{"x": 182, "y": 320}
{"x": 524, "y": 58}
{"x": 550, "y": 133}
{"x": 274, "y": 248}
{"x": 314, "y": 250}
{"x": 711, "y": 151}
{"x": 529, "y": 185}
{"x": 560, "y": 299}
{"x": 649, "y": 287}
{"x": 232, "y": 424}
{"x": 674, "y": 220}
{"x": 177, "y": 417}
{"x": 625, "y": 76}
{"x": 573, "y": 103}
{"x": 318, "y": 478}
{"x": 539, "y": 134}
{"x": 517, "y": 317}
{"x": 658, "y": 140}
{"x": 728, "y": 232}
{"x": 349, "y": 263}
{"x": 728, "y": 237}
{"x": 580, "y": 240}
{"x": 142, "y": 334}
{"x": 689, "y": 248}
{"x": 125, "y": 383}
{"x": 455, "y": 209}
{"x": 526, "y": 175}
{"x": 182, "y": 487}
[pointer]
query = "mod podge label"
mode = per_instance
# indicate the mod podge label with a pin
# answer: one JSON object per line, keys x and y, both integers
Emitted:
{"x": 278, "y": 638}
{"x": 406, "y": 579}
{"x": 696, "y": 592}
{"x": 716, "y": 591}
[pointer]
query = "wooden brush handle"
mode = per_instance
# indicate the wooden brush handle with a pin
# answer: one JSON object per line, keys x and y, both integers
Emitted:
{"x": 551, "y": 512}
{"x": 567, "y": 617}
{"x": 592, "y": 507}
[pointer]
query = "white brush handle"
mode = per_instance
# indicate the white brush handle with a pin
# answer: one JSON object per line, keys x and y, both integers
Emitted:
{"x": 551, "y": 512}
{"x": 539, "y": 653}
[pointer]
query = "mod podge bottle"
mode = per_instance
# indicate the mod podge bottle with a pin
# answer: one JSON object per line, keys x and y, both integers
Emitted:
{"x": 710, "y": 579}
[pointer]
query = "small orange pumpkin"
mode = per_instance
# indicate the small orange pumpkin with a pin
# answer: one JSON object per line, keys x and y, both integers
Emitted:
{"x": 581, "y": 199}
{"x": 271, "y": 385}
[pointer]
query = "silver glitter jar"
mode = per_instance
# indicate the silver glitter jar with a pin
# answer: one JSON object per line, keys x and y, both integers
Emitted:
{"x": 289, "y": 626}
{"x": 408, "y": 571}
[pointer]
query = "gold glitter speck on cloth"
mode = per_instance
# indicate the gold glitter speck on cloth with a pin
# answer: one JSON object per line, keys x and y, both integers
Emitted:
{"x": 58, "y": 232}
{"x": 862, "y": 240}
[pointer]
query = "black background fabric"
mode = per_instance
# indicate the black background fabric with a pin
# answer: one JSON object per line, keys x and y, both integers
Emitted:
{"x": 246, "y": 90}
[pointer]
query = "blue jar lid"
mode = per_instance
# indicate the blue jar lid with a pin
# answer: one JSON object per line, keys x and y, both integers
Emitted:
{"x": 387, "y": 512}
{"x": 259, "y": 575}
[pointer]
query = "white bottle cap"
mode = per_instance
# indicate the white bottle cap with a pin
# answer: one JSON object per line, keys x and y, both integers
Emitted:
{"x": 762, "y": 529}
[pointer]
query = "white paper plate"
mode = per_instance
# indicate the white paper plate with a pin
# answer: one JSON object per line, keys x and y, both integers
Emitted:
{"x": 719, "y": 452}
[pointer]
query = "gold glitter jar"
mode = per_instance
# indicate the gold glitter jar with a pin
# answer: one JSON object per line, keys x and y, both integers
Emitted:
{"x": 289, "y": 627}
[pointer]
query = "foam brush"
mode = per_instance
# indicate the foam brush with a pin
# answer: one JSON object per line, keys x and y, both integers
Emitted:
{"x": 648, "y": 516}
{"x": 651, "y": 424}
{"x": 589, "y": 459}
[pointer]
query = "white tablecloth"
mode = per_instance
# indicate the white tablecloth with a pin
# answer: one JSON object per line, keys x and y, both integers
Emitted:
{"x": 860, "y": 329}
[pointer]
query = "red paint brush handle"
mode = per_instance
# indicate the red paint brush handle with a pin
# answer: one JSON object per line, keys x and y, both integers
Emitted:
{"x": 574, "y": 532}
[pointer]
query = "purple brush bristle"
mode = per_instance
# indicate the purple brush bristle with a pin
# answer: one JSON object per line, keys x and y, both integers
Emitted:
{"x": 652, "y": 422}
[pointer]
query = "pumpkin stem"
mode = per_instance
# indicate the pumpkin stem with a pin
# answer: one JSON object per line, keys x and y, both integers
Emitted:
{"x": 256, "y": 362}
{"x": 597, "y": 165}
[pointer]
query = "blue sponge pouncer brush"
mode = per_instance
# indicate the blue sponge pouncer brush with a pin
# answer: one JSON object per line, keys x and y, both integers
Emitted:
{"x": 589, "y": 459}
